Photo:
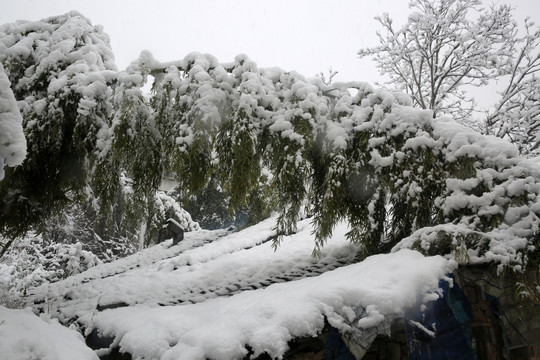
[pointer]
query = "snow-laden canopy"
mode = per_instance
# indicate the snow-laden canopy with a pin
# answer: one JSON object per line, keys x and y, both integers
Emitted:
{"x": 269, "y": 140}
{"x": 60, "y": 69}
{"x": 348, "y": 151}
{"x": 498, "y": 201}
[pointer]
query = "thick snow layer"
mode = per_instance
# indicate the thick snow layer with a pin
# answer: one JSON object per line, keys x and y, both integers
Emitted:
{"x": 24, "y": 336}
{"x": 462, "y": 141}
{"x": 12, "y": 140}
{"x": 266, "y": 319}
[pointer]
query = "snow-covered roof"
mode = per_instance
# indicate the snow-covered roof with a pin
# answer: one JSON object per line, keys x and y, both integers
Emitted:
{"x": 218, "y": 292}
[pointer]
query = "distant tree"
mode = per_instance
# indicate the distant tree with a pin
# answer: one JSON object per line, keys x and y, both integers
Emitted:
{"x": 447, "y": 45}
{"x": 516, "y": 115}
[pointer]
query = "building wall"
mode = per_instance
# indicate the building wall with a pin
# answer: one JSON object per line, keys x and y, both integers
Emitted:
{"x": 505, "y": 326}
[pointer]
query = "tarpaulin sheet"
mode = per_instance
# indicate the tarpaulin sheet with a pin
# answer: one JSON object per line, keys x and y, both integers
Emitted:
{"x": 446, "y": 332}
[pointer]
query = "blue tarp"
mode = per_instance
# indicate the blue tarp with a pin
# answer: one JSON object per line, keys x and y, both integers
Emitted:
{"x": 442, "y": 331}
{"x": 449, "y": 318}
{"x": 335, "y": 348}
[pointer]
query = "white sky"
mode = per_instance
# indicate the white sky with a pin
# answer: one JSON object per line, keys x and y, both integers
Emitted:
{"x": 304, "y": 35}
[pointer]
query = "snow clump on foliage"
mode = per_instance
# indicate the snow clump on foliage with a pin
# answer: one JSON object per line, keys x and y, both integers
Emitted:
{"x": 12, "y": 140}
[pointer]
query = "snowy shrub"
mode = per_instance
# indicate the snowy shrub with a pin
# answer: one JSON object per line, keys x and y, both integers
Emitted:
{"x": 166, "y": 207}
{"x": 34, "y": 261}
{"x": 82, "y": 223}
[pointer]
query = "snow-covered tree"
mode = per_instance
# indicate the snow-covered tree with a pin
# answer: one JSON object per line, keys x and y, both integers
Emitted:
{"x": 61, "y": 70}
{"x": 447, "y": 45}
{"x": 303, "y": 113}
{"x": 264, "y": 140}
{"x": 441, "y": 48}
{"x": 129, "y": 156}
{"x": 400, "y": 177}
{"x": 516, "y": 115}
{"x": 393, "y": 172}
{"x": 90, "y": 131}
{"x": 211, "y": 118}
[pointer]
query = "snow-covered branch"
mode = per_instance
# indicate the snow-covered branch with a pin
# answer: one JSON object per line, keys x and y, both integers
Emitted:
{"x": 516, "y": 115}
{"x": 441, "y": 48}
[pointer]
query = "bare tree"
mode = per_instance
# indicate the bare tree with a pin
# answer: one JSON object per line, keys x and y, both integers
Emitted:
{"x": 516, "y": 116}
{"x": 444, "y": 46}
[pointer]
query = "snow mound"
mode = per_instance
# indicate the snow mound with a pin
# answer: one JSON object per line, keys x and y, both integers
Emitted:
{"x": 25, "y": 336}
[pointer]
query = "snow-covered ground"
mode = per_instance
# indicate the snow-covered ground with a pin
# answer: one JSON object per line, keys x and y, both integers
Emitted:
{"x": 24, "y": 336}
{"x": 218, "y": 293}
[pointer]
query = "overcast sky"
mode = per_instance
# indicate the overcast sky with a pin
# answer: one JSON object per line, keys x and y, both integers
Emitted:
{"x": 304, "y": 35}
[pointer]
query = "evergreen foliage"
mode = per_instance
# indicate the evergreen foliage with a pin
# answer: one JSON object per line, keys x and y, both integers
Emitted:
{"x": 389, "y": 170}
{"x": 86, "y": 125}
